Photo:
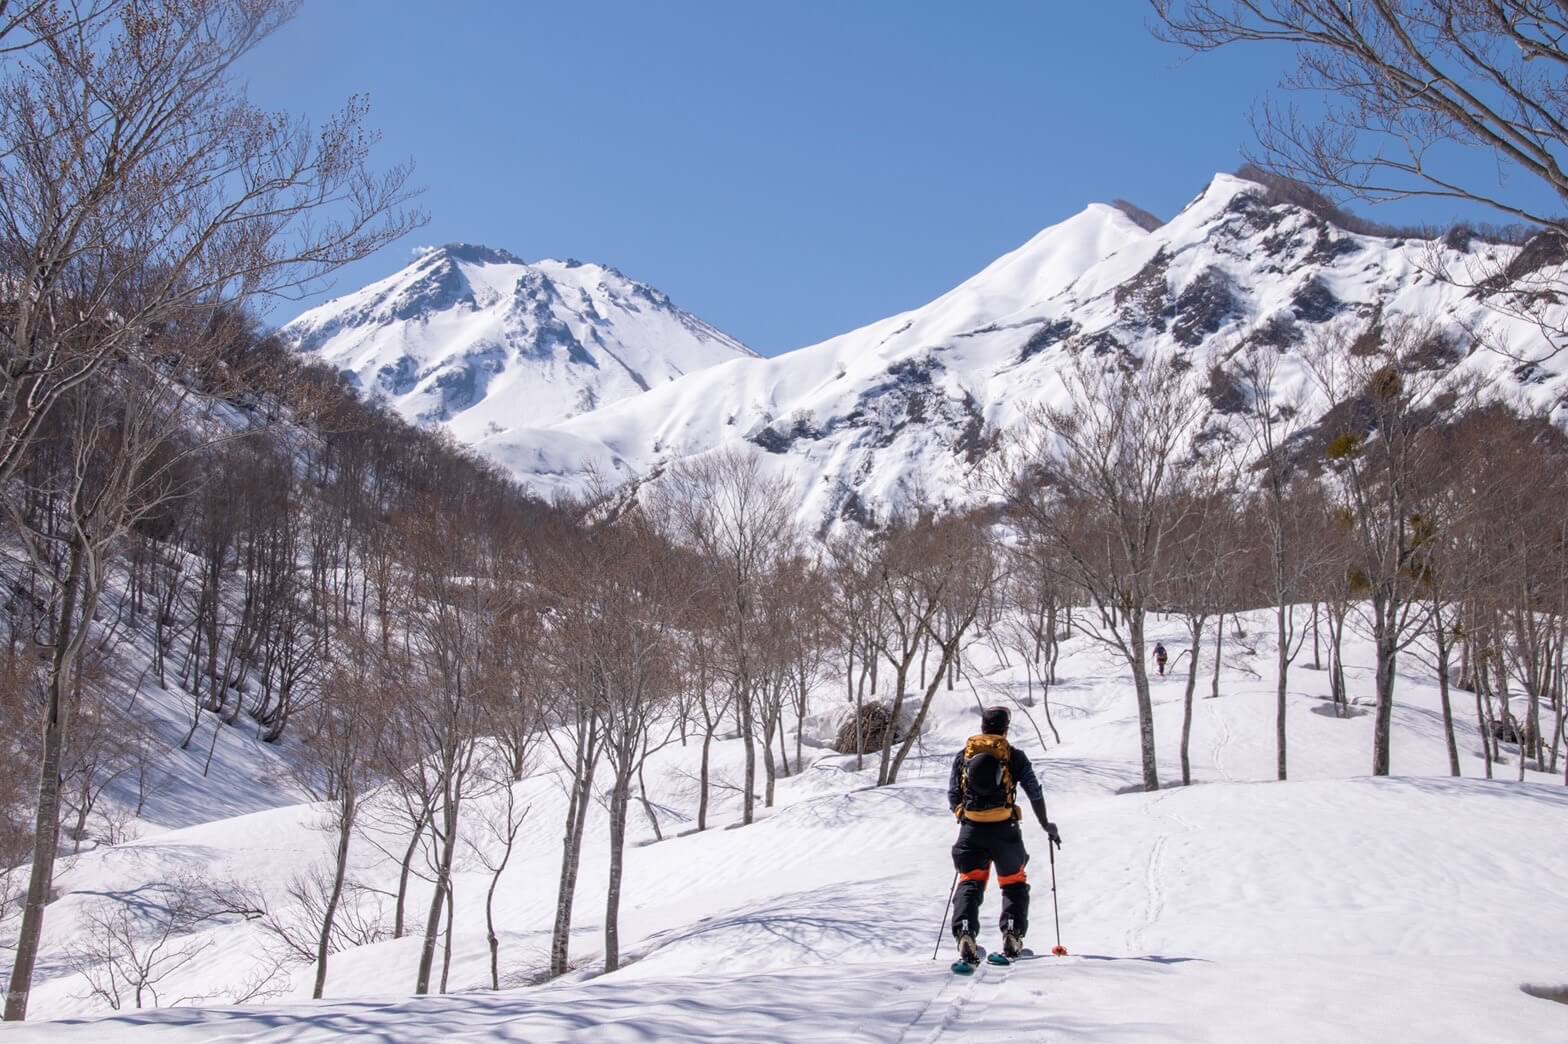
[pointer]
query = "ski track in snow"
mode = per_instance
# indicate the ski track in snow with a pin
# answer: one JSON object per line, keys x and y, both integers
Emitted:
{"x": 1221, "y": 741}
{"x": 1155, "y": 871}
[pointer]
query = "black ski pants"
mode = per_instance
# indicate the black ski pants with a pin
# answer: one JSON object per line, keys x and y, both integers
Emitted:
{"x": 979, "y": 846}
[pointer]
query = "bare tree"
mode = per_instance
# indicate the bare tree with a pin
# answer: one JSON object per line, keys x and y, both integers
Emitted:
{"x": 338, "y": 767}
{"x": 1092, "y": 487}
{"x": 1409, "y": 86}
{"x": 728, "y": 510}
{"x": 959, "y": 573}
{"x": 1272, "y": 419}
{"x": 634, "y": 605}
{"x": 452, "y": 608}
{"x": 1381, "y": 451}
{"x": 1200, "y": 577}
{"x": 126, "y": 951}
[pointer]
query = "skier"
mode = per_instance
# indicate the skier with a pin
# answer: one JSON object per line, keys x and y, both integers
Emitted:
{"x": 982, "y": 792}
{"x": 1159, "y": 657}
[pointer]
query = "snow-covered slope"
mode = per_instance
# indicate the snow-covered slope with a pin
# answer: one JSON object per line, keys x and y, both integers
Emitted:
{"x": 1333, "y": 907}
{"x": 481, "y": 341}
{"x": 861, "y": 422}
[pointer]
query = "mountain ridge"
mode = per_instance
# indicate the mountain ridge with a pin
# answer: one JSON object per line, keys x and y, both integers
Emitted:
{"x": 476, "y": 339}
{"x": 900, "y": 410}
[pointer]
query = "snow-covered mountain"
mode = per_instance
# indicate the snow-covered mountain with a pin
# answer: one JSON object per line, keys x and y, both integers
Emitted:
{"x": 481, "y": 341}
{"x": 902, "y": 407}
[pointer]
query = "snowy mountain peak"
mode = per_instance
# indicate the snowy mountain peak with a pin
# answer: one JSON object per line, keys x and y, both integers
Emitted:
{"x": 477, "y": 254}
{"x": 477, "y": 339}
{"x": 903, "y": 409}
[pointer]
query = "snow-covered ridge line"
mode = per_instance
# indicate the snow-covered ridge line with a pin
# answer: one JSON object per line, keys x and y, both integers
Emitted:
{"x": 479, "y": 340}
{"x": 861, "y": 422}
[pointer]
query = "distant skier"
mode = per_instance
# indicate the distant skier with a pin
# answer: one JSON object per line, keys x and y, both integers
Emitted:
{"x": 982, "y": 793}
{"x": 1160, "y": 657}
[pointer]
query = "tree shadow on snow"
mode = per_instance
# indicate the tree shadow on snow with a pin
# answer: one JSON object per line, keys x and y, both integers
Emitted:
{"x": 821, "y": 925}
{"x": 761, "y": 1009}
{"x": 1149, "y": 958}
{"x": 1503, "y": 788}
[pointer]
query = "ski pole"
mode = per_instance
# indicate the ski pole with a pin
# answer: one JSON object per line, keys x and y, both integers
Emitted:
{"x": 950, "y": 893}
{"x": 1059, "y": 950}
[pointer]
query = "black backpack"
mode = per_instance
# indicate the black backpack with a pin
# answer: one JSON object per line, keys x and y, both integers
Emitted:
{"x": 988, "y": 786}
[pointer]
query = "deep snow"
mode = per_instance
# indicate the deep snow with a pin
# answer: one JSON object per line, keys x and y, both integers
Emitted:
{"x": 1332, "y": 907}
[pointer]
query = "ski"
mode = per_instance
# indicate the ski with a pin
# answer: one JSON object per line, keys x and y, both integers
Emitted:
{"x": 964, "y": 968}
{"x": 1000, "y": 960}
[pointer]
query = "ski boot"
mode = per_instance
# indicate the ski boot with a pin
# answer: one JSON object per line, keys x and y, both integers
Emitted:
{"x": 1012, "y": 945}
{"x": 968, "y": 952}
{"x": 968, "y": 955}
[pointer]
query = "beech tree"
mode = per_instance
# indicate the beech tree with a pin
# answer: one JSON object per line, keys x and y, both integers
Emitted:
{"x": 1093, "y": 489}
{"x": 1380, "y": 454}
{"x": 725, "y": 508}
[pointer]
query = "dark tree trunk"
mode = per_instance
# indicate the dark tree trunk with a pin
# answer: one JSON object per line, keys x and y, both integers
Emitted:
{"x": 68, "y": 639}
{"x": 1186, "y": 710}
{"x": 339, "y": 871}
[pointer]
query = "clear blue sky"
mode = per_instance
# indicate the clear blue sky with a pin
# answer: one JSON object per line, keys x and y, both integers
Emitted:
{"x": 787, "y": 171}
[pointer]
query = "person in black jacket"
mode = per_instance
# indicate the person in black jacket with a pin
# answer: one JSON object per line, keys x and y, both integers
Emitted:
{"x": 982, "y": 792}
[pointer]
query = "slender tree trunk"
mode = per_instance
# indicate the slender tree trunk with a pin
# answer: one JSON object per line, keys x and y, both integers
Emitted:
{"x": 860, "y": 720}
{"x": 1219, "y": 650}
{"x": 571, "y": 859}
{"x": 1140, "y": 680}
{"x": 1282, "y": 632}
{"x": 346, "y": 813}
{"x": 420, "y": 822}
{"x": 1317, "y": 658}
{"x": 1484, "y": 726}
{"x": 492, "y": 937}
{"x": 800, "y": 728}
{"x": 783, "y": 744}
{"x": 612, "y": 900}
{"x": 1186, "y": 711}
{"x": 949, "y": 650}
{"x": 901, "y": 679}
{"x": 702, "y": 779}
{"x": 1443, "y": 651}
{"x": 446, "y": 936}
{"x": 1559, "y": 703}
{"x": 68, "y": 638}
{"x": 1045, "y": 702}
{"x": 748, "y": 727}
{"x": 1336, "y": 659}
{"x": 769, "y": 769}
{"x": 427, "y": 952}
{"x": 647, "y": 806}
{"x": 1382, "y": 726}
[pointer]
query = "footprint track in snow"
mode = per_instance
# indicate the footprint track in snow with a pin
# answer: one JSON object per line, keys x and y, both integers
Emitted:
{"x": 1221, "y": 741}
{"x": 1154, "y": 871}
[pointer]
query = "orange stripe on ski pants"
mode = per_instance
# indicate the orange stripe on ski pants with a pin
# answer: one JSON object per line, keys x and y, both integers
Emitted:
{"x": 1011, "y": 879}
{"x": 975, "y": 875}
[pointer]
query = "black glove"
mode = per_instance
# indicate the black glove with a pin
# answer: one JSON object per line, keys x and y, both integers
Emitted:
{"x": 1045, "y": 822}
